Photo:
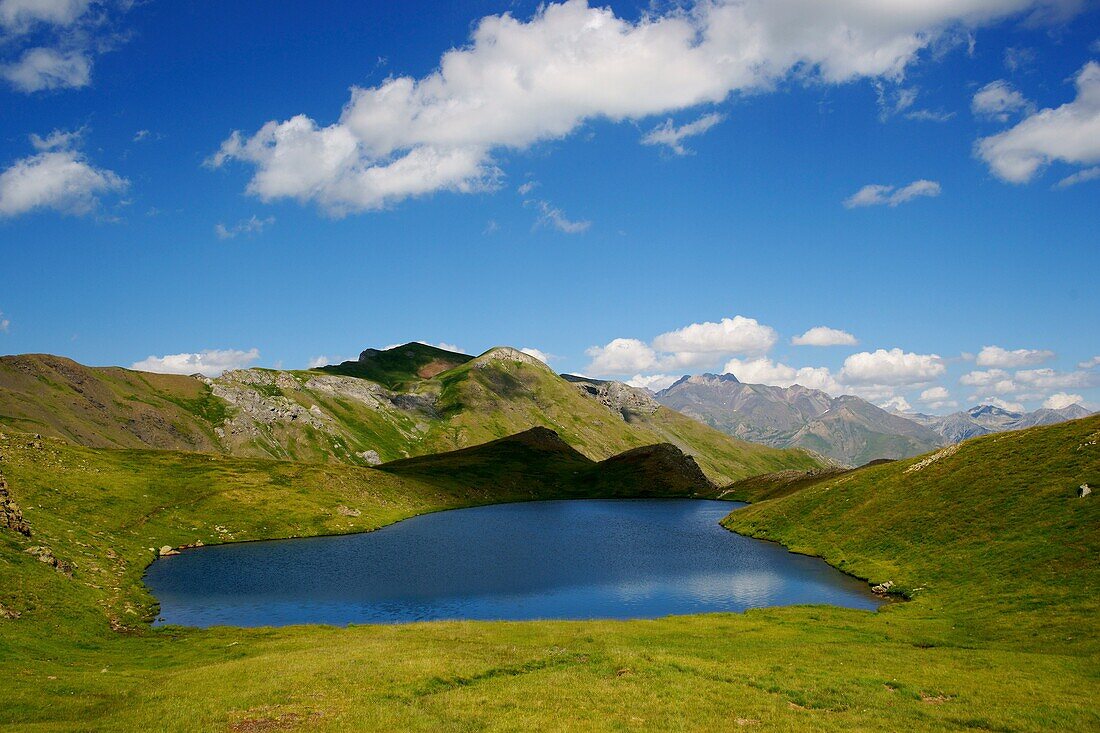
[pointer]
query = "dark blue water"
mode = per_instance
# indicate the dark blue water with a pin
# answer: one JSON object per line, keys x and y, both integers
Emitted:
{"x": 553, "y": 559}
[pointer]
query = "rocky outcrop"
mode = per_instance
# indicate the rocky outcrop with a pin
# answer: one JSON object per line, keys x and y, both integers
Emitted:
{"x": 45, "y": 555}
{"x": 11, "y": 517}
{"x": 616, "y": 396}
{"x": 258, "y": 398}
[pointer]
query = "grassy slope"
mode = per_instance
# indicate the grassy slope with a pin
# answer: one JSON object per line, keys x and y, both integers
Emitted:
{"x": 478, "y": 404}
{"x": 1001, "y": 639}
{"x": 107, "y": 407}
{"x": 479, "y": 400}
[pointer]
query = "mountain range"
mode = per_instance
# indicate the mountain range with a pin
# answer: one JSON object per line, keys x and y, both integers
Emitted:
{"x": 847, "y": 429}
{"x": 390, "y": 404}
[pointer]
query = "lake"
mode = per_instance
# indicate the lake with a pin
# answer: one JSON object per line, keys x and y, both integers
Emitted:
{"x": 546, "y": 560}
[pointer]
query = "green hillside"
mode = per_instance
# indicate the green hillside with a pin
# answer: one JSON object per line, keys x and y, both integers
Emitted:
{"x": 391, "y": 404}
{"x": 991, "y": 542}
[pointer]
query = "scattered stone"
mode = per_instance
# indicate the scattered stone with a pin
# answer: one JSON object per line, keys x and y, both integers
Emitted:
{"x": 45, "y": 555}
{"x": 168, "y": 550}
{"x": 1083, "y": 490}
{"x": 347, "y": 511}
{"x": 371, "y": 457}
{"x": 925, "y": 462}
{"x": 883, "y": 589}
{"x": 8, "y": 613}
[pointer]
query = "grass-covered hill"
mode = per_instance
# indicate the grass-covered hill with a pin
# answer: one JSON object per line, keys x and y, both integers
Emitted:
{"x": 990, "y": 541}
{"x": 407, "y": 401}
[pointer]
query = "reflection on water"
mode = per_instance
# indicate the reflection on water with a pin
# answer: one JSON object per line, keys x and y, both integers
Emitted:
{"x": 556, "y": 559}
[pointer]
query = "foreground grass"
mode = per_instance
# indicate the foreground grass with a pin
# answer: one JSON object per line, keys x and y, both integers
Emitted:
{"x": 1000, "y": 638}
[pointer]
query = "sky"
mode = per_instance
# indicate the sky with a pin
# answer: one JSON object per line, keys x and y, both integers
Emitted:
{"x": 897, "y": 199}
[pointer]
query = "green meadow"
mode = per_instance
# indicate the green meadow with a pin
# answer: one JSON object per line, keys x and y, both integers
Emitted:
{"x": 992, "y": 555}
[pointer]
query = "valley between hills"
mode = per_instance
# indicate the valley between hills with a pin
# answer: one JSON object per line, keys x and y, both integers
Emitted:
{"x": 989, "y": 546}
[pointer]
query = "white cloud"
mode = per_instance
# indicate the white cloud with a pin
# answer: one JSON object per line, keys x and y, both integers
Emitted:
{"x": 937, "y": 398}
{"x": 876, "y": 194}
{"x": 141, "y": 135}
{"x": 249, "y": 226}
{"x": 318, "y": 361}
{"x": 898, "y": 404}
{"x": 48, "y": 68}
{"x": 518, "y": 82}
{"x": 1003, "y": 404}
{"x": 1058, "y": 400}
{"x": 537, "y": 353}
{"x": 994, "y": 380}
{"x": 527, "y": 187}
{"x": 995, "y": 356}
{"x": 998, "y": 100}
{"x": 621, "y": 356}
{"x": 551, "y": 216}
{"x": 737, "y": 335}
{"x": 671, "y": 136}
{"x": 211, "y": 362}
{"x": 935, "y": 394}
{"x": 825, "y": 336}
{"x": 1051, "y": 379}
{"x": 20, "y": 16}
{"x": 764, "y": 371}
{"x": 1090, "y": 363}
{"x": 652, "y": 382}
{"x": 5, "y": 323}
{"x": 892, "y": 368}
{"x": 1070, "y": 133}
{"x": 58, "y": 177}
{"x": 1081, "y": 176}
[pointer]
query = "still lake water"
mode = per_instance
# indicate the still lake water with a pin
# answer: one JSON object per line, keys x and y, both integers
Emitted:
{"x": 549, "y": 559}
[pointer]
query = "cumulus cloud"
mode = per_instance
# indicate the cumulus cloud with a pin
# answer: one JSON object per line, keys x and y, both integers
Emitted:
{"x": 995, "y": 380}
{"x": 652, "y": 382}
{"x": 891, "y": 368}
{"x": 318, "y": 361}
{"x": 1070, "y": 134}
{"x": 48, "y": 68}
{"x": 672, "y": 137}
{"x": 937, "y": 398}
{"x": 694, "y": 345}
{"x": 1051, "y": 379}
{"x": 552, "y": 216}
{"x": 249, "y": 226}
{"x": 1089, "y": 363}
{"x": 877, "y": 194}
{"x": 764, "y": 371}
{"x": 995, "y": 356}
{"x": 537, "y": 353}
{"x": 998, "y": 100}
{"x": 825, "y": 336}
{"x": 518, "y": 82}
{"x": 5, "y": 323}
{"x": 211, "y": 362}
{"x": 621, "y": 356}
{"x": 897, "y": 403}
{"x": 1003, "y": 404}
{"x": 730, "y": 335}
{"x": 1059, "y": 400}
{"x": 52, "y": 44}
{"x": 57, "y": 177}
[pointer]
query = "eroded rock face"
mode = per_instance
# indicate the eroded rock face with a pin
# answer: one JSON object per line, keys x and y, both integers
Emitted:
{"x": 260, "y": 400}
{"x": 11, "y": 517}
{"x": 619, "y": 397}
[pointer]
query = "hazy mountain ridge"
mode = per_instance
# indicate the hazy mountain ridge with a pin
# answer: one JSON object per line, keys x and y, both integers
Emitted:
{"x": 845, "y": 429}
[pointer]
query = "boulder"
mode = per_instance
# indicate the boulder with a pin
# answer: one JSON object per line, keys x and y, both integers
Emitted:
{"x": 1083, "y": 490}
{"x": 168, "y": 550}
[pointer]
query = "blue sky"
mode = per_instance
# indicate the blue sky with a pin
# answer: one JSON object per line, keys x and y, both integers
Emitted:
{"x": 923, "y": 181}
